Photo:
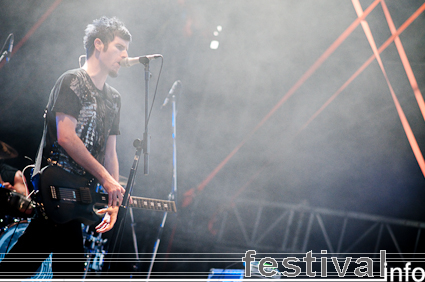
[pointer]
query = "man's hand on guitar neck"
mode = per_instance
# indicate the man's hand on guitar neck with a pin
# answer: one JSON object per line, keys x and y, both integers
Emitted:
{"x": 108, "y": 220}
{"x": 115, "y": 192}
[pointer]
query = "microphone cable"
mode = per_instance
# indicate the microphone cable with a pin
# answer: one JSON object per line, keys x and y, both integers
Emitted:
{"x": 156, "y": 90}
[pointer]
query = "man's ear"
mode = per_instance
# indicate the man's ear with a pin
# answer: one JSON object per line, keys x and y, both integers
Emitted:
{"x": 98, "y": 44}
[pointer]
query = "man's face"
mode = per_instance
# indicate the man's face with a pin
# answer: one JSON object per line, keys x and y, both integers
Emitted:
{"x": 112, "y": 56}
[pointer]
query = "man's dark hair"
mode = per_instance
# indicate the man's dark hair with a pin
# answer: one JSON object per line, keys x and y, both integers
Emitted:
{"x": 105, "y": 29}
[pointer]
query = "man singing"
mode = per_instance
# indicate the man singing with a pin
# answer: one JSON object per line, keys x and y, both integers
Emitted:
{"x": 83, "y": 115}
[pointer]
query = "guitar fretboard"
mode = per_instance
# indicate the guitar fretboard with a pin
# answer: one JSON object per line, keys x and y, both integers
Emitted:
{"x": 153, "y": 204}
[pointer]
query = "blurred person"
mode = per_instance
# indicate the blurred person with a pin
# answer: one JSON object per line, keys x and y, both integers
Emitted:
{"x": 12, "y": 179}
{"x": 82, "y": 115}
{"x": 14, "y": 202}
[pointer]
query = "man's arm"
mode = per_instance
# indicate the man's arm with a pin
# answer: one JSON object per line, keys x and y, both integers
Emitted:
{"x": 111, "y": 158}
{"x": 19, "y": 185}
{"x": 68, "y": 139}
{"x": 112, "y": 165}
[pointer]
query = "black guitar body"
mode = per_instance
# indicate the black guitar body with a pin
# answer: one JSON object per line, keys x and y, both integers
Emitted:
{"x": 66, "y": 196}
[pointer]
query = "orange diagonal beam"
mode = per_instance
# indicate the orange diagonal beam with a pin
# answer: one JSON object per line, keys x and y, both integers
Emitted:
{"x": 366, "y": 64}
{"x": 395, "y": 35}
{"x": 409, "y": 133}
{"x": 190, "y": 194}
{"x": 405, "y": 61}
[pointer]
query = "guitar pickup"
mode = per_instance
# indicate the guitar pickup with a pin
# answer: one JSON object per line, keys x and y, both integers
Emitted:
{"x": 54, "y": 192}
{"x": 85, "y": 195}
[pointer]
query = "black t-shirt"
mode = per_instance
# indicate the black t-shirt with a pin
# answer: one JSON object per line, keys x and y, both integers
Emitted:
{"x": 97, "y": 113}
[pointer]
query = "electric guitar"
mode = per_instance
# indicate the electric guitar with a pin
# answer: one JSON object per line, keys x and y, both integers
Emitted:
{"x": 65, "y": 197}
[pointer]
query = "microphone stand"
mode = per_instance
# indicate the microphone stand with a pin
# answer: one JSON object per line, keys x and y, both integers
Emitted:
{"x": 173, "y": 193}
{"x": 117, "y": 231}
{"x": 140, "y": 146}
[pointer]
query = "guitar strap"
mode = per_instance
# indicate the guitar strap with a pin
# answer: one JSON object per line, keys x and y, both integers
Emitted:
{"x": 36, "y": 172}
{"x": 38, "y": 160}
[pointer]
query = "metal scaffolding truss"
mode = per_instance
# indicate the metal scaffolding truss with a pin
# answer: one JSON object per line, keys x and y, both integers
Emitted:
{"x": 300, "y": 228}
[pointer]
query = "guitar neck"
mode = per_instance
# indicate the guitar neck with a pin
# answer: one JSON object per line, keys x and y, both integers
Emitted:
{"x": 153, "y": 204}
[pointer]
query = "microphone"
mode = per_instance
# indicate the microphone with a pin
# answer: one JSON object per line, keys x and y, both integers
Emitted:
{"x": 171, "y": 92}
{"x": 128, "y": 62}
{"x": 9, "y": 51}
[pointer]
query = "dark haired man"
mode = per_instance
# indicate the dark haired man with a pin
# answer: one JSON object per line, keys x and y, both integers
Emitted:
{"x": 82, "y": 117}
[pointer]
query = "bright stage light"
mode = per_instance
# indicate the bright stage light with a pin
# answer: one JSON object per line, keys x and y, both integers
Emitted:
{"x": 214, "y": 44}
